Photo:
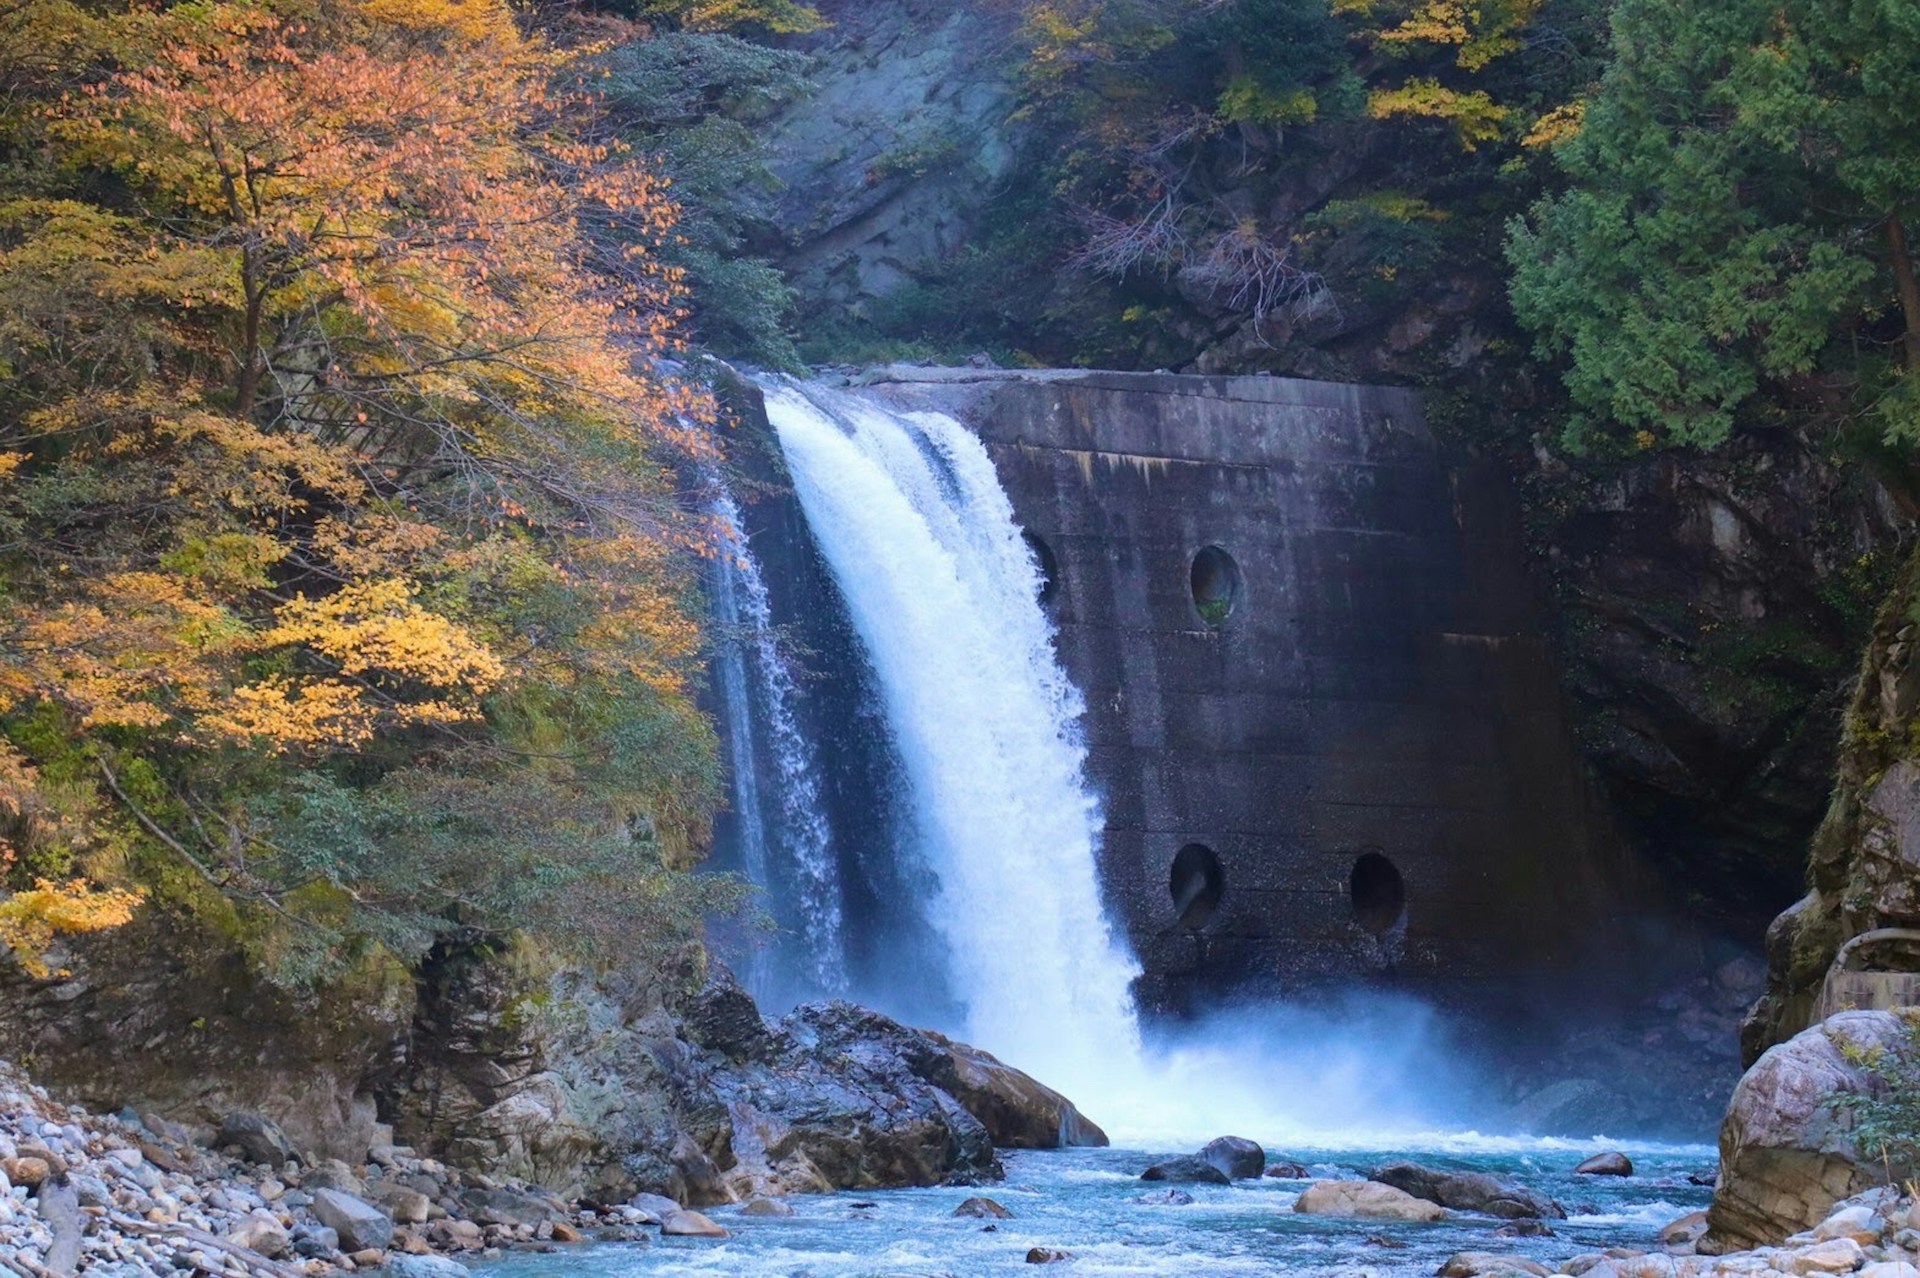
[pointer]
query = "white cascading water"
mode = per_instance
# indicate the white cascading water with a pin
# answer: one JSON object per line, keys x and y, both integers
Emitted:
{"x": 943, "y": 592}
{"x": 752, "y": 671}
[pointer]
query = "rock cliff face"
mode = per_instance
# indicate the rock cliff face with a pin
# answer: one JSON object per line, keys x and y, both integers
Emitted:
{"x": 1712, "y": 610}
{"x": 1863, "y": 873}
{"x": 886, "y": 165}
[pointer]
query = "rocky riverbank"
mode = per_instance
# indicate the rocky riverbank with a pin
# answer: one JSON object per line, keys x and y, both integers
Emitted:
{"x": 711, "y": 1104}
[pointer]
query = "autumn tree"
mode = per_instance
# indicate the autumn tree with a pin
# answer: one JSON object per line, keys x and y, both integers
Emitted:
{"x": 335, "y": 469}
{"x": 1741, "y": 194}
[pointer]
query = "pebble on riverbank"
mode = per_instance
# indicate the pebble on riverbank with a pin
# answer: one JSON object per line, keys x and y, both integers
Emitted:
{"x": 1873, "y": 1235}
{"x": 126, "y": 1195}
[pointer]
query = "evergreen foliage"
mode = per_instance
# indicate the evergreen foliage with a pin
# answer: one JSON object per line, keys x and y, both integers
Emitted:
{"x": 1739, "y": 192}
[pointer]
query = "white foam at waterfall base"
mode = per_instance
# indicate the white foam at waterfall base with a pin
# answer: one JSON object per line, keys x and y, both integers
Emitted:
{"x": 944, "y": 593}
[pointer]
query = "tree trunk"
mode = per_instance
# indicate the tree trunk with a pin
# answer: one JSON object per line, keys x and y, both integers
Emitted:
{"x": 1908, "y": 287}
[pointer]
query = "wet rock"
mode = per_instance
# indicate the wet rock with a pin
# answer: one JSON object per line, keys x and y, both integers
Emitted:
{"x": 1481, "y": 1264}
{"x": 1287, "y": 1171}
{"x": 1526, "y": 1227}
{"x": 425, "y": 1267}
{"x": 1470, "y": 1191}
{"x": 983, "y": 1209}
{"x": 1166, "y": 1198}
{"x": 1366, "y": 1198}
{"x": 1239, "y": 1158}
{"x": 1685, "y": 1232}
{"x": 1047, "y": 1256}
{"x": 1187, "y": 1170}
{"x": 361, "y": 1225}
{"x": 1785, "y": 1154}
{"x": 255, "y": 1137}
{"x": 691, "y": 1224}
{"x": 767, "y": 1207}
{"x": 1609, "y": 1164}
{"x": 724, "y": 1018}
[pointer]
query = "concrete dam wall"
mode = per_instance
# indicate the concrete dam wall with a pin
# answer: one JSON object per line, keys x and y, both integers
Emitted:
{"x": 1321, "y": 715}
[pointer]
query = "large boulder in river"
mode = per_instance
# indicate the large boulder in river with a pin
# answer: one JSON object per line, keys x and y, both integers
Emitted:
{"x": 1470, "y": 1191}
{"x": 1187, "y": 1170}
{"x": 1786, "y": 1154}
{"x": 1238, "y": 1157}
{"x": 1368, "y": 1199}
{"x": 1020, "y": 1111}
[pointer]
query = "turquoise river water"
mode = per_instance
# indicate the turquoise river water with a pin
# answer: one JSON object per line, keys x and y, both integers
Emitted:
{"x": 1086, "y": 1202}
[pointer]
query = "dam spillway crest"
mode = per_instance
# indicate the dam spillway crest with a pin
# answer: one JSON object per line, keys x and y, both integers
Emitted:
{"x": 1173, "y": 688}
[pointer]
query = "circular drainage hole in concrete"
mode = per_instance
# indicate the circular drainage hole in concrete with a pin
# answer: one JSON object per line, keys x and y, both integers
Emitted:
{"x": 1197, "y": 883}
{"x": 1216, "y": 583}
{"x": 1378, "y": 893}
{"x": 1043, "y": 559}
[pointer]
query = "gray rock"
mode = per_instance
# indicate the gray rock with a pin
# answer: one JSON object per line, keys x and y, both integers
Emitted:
{"x": 1470, "y": 1191}
{"x": 406, "y": 1206}
{"x": 1238, "y": 1157}
{"x": 255, "y": 1137}
{"x": 425, "y": 1267}
{"x": 1047, "y": 1255}
{"x": 691, "y": 1224}
{"x": 315, "y": 1242}
{"x": 1610, "y": 1164}
{"x": 983, "y": 1209}
{"x": 1785, "y": 1154}
{"x": 504, "y": 1207}
{"x": 93, "y": 1191}
{"x": 1187, "y": 1170}
{"x": 1166, "y": 1198}
{"x": 361, "y": 1225}
{"x": 656, "y": 1205}
{"x": 766, "y": 1207}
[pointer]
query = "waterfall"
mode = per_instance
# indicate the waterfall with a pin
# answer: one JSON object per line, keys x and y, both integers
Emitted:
{"x": 788, "y": 852}
{"x": 944, "y": 594}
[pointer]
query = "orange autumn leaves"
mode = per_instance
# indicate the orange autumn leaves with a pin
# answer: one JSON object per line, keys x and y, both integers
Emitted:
{"x": 378, "y": 212}
{"x": 334, "y": 407}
